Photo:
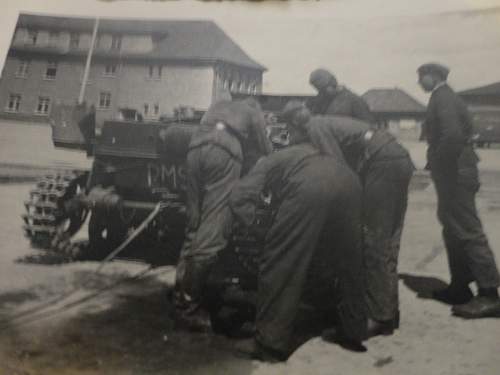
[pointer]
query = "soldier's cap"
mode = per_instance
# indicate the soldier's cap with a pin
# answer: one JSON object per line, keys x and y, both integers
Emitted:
{"x": 434, "y": 68}
{"x": 292, "y": 108}
{"x": 321, "y": 78}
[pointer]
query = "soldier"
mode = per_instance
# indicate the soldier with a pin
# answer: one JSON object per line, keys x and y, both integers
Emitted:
{"x": 311, "y": 192}
{"x": 453, "y": 165}
{"x": 385, "y": 169}
{"x": 217, "y": 153}
{"x": 333, "y": 99}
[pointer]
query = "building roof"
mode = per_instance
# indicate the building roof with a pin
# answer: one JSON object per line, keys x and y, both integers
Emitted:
{"x": 392, "y": 100}
{"x": 177, "y": 39}
{"x": 491, "y": 89}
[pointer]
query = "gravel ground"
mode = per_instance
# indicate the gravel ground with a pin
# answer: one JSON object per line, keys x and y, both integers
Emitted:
{"x": 66, "y": 319}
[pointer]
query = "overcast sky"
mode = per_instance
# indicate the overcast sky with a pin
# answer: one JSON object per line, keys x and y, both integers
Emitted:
{"x": 366, "y": 43}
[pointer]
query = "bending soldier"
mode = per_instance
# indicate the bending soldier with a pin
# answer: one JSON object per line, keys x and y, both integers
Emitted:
{"x": 453, "y": 165}
{"x": 229, "y": 131}
{"x": 333, "y": 99}
{"x": 312, "y": 192}
{"x": 385, "y": 169}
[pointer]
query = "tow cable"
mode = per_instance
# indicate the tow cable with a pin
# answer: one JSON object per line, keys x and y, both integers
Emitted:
{"x": 37, "y": 313}
{"x": 159, "y": 206}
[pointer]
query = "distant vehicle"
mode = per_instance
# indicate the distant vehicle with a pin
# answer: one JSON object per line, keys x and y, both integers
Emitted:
{"x": 486, "y": 126}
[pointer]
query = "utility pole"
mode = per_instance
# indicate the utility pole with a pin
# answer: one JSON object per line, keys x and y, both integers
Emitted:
{"x": 87, "y": 64}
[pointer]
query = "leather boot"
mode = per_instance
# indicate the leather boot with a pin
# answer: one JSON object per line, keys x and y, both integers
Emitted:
{"x": 485, "y": 304}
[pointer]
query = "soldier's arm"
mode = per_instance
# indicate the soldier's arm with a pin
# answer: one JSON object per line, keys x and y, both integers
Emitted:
{"x": 246, "y": 193}
{"x": 451, "y": 140}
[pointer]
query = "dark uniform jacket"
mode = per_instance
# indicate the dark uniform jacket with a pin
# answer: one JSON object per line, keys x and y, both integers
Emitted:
{"x": 243, "y": 122}
{"x": 344, "y": 136}
{"x": 344, "y": 103}
{"x": 448, "y": 129}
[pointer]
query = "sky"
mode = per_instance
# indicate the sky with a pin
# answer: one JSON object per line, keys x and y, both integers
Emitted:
{"x": 365, "y": 43}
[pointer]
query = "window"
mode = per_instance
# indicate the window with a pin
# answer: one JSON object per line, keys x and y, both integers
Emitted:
{"x": 242, "y": 86}
{"x": 53, "y": 38}
{"x": 32, "y": 37}
{"x": 253, "y": 89}
{"x": 104, "y": 100}
{"x": 13, "y": 103}
{"x": 51, "y": 71}
{"x": 74, "y": 40}
{"x": 151, "y": 110}
{"x": 22, "y": 69}
{"x": 110, "y": 70}
{"x": 155, "y": 71}
{"x": 43, "y": 105}
{"x": 116, "y": 42}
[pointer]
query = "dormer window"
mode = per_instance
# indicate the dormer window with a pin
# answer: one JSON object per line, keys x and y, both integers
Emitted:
{"x": 116, "y": 42}
{"x": 155, "y": 71}
{"x": 32, "y": 37}
{"x": 74, "y": 40}
{"x": 53, "y": 38}
{"x": 110, "y": 70}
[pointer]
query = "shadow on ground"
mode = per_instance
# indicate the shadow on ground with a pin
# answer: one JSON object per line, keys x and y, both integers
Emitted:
{"x": 423, "y": 286}
{"x": 134, "y": 334}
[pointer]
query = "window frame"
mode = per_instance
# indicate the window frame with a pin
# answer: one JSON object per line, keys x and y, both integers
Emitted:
{"x": 54, "y": 66}
{"x": 23, "y": 73}
{"x": 106, "y": 101}
{"x": 44, "y": 103}
{"x": 113, "y": 72}
{"x": 152, "y": 68}
{"x": 151, "y": 111}
{"x": 17, "y": 105}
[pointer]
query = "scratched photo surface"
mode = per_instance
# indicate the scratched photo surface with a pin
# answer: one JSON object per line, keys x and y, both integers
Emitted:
{"x": 98, "y": 103}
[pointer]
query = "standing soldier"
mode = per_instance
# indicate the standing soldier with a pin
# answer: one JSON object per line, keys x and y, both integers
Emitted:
{"x": 229, "y": 132}
{"x": 333, "y": 99}
{"x": 385, "y": 169}
{"x": 312, "y": 192}
{"x": 453, "y": 165}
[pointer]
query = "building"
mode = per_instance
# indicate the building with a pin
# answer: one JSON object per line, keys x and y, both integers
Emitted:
{"x": 397, "y": 111}
{"x": 484, "y": 105}
{"x": 152, "y": 66}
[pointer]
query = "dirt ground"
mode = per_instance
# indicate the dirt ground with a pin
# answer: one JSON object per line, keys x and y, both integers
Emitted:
{"x": 66, "y": 319}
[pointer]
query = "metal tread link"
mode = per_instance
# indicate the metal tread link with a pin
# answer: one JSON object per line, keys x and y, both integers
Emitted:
{"x": 42, "y": 208}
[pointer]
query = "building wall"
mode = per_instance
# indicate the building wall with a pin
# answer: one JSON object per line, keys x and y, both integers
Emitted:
{"x": 179, "y": 85}
{"x": 65, "y": 87}
{"x": 131, "y": 86}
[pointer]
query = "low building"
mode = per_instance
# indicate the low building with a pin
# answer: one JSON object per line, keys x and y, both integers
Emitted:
{"x": 484, "y": 105}
{"x": 396, "y": 111}
{"x": 152, "y": 66}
